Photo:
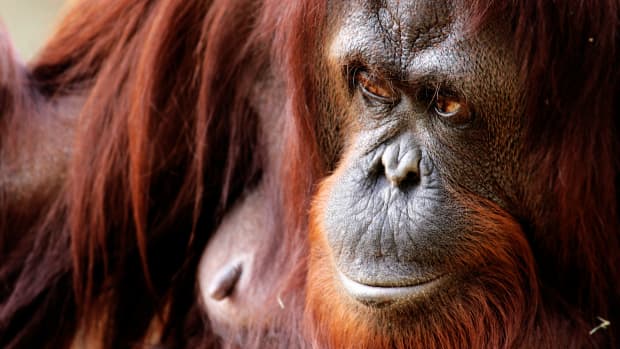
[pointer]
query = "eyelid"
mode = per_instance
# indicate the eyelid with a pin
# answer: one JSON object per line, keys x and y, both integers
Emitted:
{"x": 446, "y": 105}
{"x": 457, "y": 113}
{"x": 378, "y": 90}
{"x": 375, "y": 87}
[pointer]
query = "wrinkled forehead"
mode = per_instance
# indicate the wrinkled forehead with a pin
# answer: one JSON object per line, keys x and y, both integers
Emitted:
{"x": 394, "y": 29}
{"x": 428, "y": 43}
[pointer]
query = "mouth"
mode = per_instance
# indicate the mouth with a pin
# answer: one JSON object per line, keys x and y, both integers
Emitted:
{"x": 384, "y": 295}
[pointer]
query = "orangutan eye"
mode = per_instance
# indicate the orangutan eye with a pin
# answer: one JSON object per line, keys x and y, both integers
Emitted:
{"x": 452, "y": 109}
{"x": 375, "y": 88}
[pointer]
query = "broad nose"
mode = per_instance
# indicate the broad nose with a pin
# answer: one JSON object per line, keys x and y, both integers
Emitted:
{"x": 401, "y": 162}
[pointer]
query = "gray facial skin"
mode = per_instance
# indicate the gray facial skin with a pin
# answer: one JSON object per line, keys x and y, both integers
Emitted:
{"x": 392, "y": 218}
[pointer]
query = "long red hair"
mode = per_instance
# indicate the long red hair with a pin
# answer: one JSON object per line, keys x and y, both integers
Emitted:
{"x": 165, "y": 144}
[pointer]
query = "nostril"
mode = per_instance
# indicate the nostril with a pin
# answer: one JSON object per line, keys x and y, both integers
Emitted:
{"x": 412, "y": 179}
{"x": 403, "y": 179}
{"x": 225, "y": 282}
{"x": 402, "y": 172}
{"x": 379, "y": 169}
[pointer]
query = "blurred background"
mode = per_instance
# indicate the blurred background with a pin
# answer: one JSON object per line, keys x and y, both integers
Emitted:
{"x": 30, "y": 22}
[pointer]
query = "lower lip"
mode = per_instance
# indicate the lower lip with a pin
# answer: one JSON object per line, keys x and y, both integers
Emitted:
{"x": 381, "y": 295}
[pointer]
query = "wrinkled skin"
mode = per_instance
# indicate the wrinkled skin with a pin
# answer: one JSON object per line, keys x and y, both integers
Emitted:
{"x": 387, "y": 229}
{"x": 414, "y": 236}
{"x": 355, "y": 174}
{"x": 390, "y": 219}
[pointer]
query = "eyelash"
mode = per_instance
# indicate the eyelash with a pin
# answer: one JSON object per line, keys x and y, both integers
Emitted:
{"x": 439, "y": 99}
{"x": 446, "y": 106}
{"x": 375, "y": 88}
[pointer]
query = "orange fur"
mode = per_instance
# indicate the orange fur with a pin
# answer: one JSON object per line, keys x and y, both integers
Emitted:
{"x": 492, "y": 306}
{"x": 151, "y": 98}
